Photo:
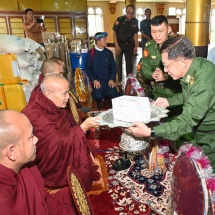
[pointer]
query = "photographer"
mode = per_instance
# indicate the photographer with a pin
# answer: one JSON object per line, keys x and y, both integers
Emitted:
{"x": 34, "y": 27}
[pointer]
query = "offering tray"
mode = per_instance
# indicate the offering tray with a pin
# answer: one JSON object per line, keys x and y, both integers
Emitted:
{"x": 132, "y": 144}
{"x": 106, "y": 117}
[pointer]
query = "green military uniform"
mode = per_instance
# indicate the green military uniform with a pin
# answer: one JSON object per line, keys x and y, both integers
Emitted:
{"x": 152, "y": 60}
{"x": 125, "y": 30}
{"x": 198, "y": 116}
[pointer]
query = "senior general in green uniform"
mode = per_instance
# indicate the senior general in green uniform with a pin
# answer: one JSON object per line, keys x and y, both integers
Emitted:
{"x": 152, "y": 67}
{"x": 197, "y": 78}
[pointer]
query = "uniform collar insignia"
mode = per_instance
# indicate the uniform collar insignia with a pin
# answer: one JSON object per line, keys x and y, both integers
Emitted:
{"x": 191, "y": 82}
{"x": 188, "y": 78}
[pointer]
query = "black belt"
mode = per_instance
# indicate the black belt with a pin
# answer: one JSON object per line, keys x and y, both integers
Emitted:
{"x": 125, "y": 42}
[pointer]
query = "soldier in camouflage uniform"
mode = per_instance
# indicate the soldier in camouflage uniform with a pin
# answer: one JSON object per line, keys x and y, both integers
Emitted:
{"x": 161, "y": 84}
{"x": 197, "y": 78}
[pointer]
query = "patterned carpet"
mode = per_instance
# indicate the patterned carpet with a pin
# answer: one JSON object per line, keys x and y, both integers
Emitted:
{"x": 134, "y": 190}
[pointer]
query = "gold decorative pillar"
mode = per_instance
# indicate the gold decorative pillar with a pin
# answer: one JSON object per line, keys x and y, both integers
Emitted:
{"x": 160, "y": 9}
{"x": 112, "y": 7}
{"x": 198, "y": 25}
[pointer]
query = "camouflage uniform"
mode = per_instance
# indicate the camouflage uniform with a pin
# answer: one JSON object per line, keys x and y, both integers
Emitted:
{"x": 152, "y": 60}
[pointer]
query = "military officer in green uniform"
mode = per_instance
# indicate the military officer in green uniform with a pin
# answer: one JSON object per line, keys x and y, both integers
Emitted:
{"x": 197, "y": 78}
{"x": 152, "y": 68}
{"x": 125, "y": 31}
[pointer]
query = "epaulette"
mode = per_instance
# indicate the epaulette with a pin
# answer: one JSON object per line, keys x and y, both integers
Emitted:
{"x": 149, "y": 43}
{"x": 120, "y": 17}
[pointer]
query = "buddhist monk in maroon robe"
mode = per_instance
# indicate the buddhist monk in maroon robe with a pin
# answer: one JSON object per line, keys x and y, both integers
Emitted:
{"x": 60, "y": 143}
{"x": 55, "y": 66}
{"x": 22, "y": 190}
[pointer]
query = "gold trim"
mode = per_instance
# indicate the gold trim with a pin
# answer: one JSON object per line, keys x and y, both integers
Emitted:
{"x": 79, "y": 195}
{"x": 74, "y": 110}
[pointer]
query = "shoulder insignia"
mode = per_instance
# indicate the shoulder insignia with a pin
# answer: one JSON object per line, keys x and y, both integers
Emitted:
{"x": 120, "y": 17}
{"x": 154, "y": 57}
{"x": 116, "y": 23}
{"x": 145, "y": 53}
{"x": 191, "y": 82}
{"x": 147, "y": 43}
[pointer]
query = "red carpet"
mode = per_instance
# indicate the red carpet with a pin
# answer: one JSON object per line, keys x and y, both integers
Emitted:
{"x": 131, "y": 191}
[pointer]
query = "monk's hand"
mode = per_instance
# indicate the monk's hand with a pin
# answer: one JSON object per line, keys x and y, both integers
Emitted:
{"x": 163, "y": 102}
{"x": 96, "y": 84}
{"x": 91, "y": 122}
{"x": 139, "y": 129}
{"x": 111, "y": 84}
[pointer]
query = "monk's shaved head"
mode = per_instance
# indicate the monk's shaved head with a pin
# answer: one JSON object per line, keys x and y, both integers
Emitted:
{"x": 52, "y": 82}
{"x": 9, "y": 127}
{"x": 50, "y": 67}
{"x": 55, "y": 88}
{"x": 17, "y": 142}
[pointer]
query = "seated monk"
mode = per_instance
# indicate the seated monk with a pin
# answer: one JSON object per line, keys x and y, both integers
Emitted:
{"x": 74, "y": 104}
{"x": 52, "y": 66}
{"x": 61, "y": 144}
{"x": 22, "y": 190}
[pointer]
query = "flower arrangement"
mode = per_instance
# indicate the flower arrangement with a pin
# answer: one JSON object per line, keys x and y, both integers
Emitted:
{"x": 82, "y": 91}
{"x": 136, "y": 85}
{"x": 198, "y": 155}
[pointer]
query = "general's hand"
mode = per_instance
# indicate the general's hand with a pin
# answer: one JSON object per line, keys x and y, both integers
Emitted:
{"x": 163, "y": 102}
{"x": 117, "y": 50}
{"x": 111, "y": 84}
{"x": 158, "y": 75}
{"x": 139, "y": 130}
{"x": 91, "y": 122}
{"x": 96, "y": 84}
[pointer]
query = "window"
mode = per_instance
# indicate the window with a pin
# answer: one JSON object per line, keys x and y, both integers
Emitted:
{"x": 212, "y": 33}
{"x": 172, "y": 11}
{"x": 95, "y": 20}
{"x": 140, "y": 15}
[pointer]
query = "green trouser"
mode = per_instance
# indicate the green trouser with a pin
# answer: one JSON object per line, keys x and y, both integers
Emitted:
{"x": 206, "y": 140}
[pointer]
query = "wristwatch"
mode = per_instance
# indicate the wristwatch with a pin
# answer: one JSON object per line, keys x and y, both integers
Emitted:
{"x": 152, "y": 132}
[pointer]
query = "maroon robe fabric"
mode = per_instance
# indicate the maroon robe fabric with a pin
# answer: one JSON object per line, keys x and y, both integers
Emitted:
{"x": 36, "y": 89}
{"x": 91, "y": 144}
{"x": 24, "y": 194}
{"x": 60, "y": 144}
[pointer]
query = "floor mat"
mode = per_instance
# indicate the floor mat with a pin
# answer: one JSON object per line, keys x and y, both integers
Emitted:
{"x": 134, "y": 190}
